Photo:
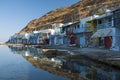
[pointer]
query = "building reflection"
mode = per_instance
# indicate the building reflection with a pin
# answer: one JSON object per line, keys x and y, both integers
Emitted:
{"x": 70, "y": 67}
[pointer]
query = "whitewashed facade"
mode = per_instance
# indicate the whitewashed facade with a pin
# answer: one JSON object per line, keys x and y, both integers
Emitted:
{"x": 107, "y": 33}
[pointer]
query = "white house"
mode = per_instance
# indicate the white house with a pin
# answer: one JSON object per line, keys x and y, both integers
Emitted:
{"x": 116, "y": 31}
{"x": 13, "y": 39}
{"x": 84, "y": 34}
{"x": 104, "y": 30}
{"x": 25, "y": 38}
{"x": 77, "y": 33}
{"x": 56, "y": 38}
{"x": 107, "y": 33}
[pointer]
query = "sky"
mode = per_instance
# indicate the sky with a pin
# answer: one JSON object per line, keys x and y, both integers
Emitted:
{"x": 16, "y": 14}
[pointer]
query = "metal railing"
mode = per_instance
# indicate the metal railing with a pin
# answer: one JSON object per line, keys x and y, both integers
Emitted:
{"x": 105, "y": 25}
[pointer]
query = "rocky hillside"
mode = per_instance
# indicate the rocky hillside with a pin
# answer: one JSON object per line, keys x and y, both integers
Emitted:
{"x": 71, "y": 13}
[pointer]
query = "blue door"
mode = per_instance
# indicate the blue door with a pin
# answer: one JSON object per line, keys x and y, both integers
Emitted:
{"x": 60, "y": 41}
{"x": 82, "y": 41}
{"x": 52, "y": 40}
{"x": 65, "y": 40}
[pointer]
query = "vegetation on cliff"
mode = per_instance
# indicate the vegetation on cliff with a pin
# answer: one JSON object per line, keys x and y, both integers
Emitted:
{"x": 71, "y": 13}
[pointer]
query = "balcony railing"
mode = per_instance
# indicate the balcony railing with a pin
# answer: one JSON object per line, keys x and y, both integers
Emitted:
{"x": 69, "y": 32}
{"x": 117, "y": 22}
{"x": 79, "y": 30}
{"x": 105, "y": 25}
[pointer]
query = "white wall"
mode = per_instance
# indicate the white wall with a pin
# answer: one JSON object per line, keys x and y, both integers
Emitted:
{"x": 116, "y": 39}
{"x": 113, "y": 37}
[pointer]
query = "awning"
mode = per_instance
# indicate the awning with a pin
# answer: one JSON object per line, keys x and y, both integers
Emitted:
{"x": 102, "y": 33}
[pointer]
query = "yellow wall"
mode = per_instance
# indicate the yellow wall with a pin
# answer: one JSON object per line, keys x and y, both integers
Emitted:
{"x": 91, "y": 25}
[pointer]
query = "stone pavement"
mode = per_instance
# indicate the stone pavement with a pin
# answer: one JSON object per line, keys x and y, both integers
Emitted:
{"x": 103, "y": 55}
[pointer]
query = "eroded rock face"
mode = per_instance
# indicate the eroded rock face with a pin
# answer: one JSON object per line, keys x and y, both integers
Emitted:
{"x": 78, "y": 11}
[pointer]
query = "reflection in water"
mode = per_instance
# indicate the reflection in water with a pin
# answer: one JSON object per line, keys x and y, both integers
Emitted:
{"x": 15, "y": 67}
{"x": 71, "y": 68}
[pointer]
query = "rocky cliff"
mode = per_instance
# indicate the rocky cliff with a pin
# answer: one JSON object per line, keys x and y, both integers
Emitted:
{"x": 71, "y": 13}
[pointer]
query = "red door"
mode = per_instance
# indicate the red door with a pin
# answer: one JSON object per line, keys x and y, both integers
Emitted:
{"x": 72, "y": 40}
{"x": 108, "y": 42}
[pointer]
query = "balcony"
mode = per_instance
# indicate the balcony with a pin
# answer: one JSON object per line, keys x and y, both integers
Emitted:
{"x": 105, "y": 25}
{"x": 117, "y": 22}
{"x": 69, "y": 32}
{"x": 79, "y": 30}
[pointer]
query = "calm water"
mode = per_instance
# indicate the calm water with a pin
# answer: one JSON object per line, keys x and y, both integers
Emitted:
{"x": 28, "y": 63}
{"x": 14, "y": 67}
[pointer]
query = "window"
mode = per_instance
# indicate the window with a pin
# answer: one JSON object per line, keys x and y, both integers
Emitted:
{"x": 78, "y": 26}
{"x": 99, "y": 21}
{"x": 109, "y": 19}
{"x": 75, "y": 27}
{"x": 117, "y": 18}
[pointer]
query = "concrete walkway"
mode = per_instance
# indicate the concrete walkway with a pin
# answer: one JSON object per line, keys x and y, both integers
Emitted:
{"x": 106, "y": 56}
